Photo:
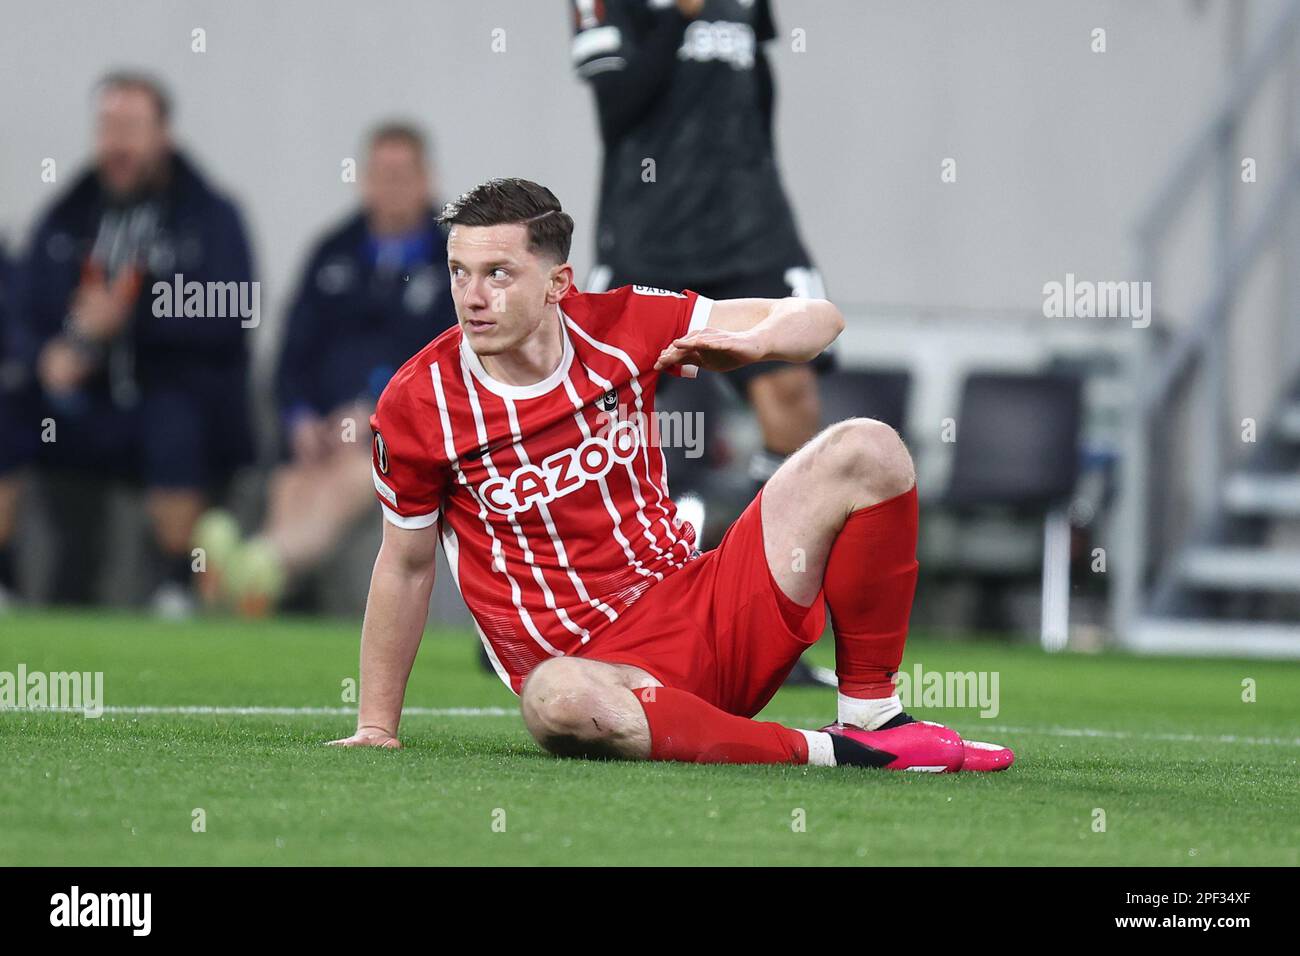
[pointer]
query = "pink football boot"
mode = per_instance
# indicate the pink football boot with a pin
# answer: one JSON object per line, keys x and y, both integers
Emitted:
{"x": 982, "y": 757}
{"x": 900, "y": 745}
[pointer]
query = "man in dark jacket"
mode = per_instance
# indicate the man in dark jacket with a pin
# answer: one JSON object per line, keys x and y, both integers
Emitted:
{"x": 374, "y": 292}
{"x": 132, "y": 309}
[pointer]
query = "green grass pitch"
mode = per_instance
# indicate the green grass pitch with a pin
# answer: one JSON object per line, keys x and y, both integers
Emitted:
{"x": 1184, "y": 770}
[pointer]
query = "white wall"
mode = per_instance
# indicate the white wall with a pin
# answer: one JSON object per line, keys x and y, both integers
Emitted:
{"x": 1055, "y": 145}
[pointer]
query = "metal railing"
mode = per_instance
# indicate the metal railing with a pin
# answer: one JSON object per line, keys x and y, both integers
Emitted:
{"x": 1195, "y": 363}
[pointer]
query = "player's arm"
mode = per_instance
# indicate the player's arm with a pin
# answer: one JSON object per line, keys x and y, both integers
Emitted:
{"x": 396, "y": 609}
{"x": 743, "y": 331}
{"x": 627, "y": 55}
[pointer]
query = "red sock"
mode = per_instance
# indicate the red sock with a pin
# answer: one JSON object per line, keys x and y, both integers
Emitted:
{"x": 869, "y": 584}
{"x": 685, "y": 727}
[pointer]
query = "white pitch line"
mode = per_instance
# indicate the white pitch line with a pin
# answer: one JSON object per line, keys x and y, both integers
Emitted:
{"x": 204, "y": 711}
{"x": 199, "y": 711}
{"x": 1128, "y": 735}
{"x": 982, "y": 732}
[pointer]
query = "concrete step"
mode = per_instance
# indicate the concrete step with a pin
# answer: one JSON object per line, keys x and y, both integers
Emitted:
{"x": 1204, "y": 638}
{"x": 1268, "y": 495}
{"x": 1288, "y": 423}
{"x": 1221, "y": 568}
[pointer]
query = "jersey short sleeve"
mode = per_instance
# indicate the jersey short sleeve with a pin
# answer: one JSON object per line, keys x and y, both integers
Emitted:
{"x": 604, "y": 34}
{"x": 657, "y": 317}
{"x": 409, "y": 478}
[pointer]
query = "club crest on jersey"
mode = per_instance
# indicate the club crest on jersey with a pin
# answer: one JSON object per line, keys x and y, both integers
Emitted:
{"x": 562, "y": 473}
{"x": 381, "y": 454}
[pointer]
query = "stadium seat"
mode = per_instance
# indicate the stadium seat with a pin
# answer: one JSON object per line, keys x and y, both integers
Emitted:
{"x": 866, "y": 393}
{"x": 1017, "y": 441}
{"x": 1017, "y": 448}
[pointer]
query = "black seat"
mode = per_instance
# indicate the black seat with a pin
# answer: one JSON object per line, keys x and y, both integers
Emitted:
{"x": 1017, "y": 441}
{"x": 1018, "y": 451}
{"x": 881, "y": 394}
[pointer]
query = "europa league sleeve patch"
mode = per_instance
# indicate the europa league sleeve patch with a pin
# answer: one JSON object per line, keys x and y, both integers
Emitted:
{"x": 381, "y": 454}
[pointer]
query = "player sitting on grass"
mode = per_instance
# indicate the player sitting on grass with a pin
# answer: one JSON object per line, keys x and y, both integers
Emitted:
{"x": 524, "y": 439}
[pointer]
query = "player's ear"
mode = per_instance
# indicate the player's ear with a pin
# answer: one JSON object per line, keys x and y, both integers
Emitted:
{"x": 561, "y": 280}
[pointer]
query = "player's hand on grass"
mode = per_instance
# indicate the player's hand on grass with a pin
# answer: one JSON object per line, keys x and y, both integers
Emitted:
{"x": 369, "y": 737}
{"x": 715, "y": 349}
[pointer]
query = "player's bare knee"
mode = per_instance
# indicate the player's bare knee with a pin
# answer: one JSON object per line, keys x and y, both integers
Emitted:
{"x": 561, "y": 703}
{"x": 547, "y": 684}
{"x": 869, "y": 456}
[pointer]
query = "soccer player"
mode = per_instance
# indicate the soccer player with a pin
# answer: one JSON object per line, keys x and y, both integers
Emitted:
{"x": 524, "y": 439}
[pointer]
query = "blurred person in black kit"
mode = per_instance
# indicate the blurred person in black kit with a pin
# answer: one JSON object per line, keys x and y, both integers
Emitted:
{"x": 373, "y": 293}
{"x": 126, "y": 382}
{"x": 691, "y": 195}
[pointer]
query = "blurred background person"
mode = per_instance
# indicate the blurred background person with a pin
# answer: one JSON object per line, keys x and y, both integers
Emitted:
{"x": 691, "y": 196}
{"x": 124, "y": 389}
{"x": 11, "y": 382}
{"x": 373, "y": 293}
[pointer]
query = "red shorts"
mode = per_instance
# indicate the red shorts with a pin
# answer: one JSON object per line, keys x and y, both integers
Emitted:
{"x": 720, "y": 628}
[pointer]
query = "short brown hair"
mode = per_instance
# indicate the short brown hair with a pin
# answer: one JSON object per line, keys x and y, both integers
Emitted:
{"x": 506, "y": 201}
{"x": 398, "y": 131}
{"x": 146, "y": 83}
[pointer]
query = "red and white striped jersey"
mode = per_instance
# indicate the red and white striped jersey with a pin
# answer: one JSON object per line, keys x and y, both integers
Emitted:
{"x": 551, "y": 499}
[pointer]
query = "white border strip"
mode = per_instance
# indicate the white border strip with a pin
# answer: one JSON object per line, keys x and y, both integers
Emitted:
{"x": 1128, "y": 735}
{"x": 414, "y": 523}
{"x": 700, "y": 313}
{"x": 979, "y": 730}
{"x": 205, "y": 711}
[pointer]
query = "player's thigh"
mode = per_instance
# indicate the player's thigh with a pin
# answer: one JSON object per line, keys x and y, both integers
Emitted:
{"x": 799, "y": 523}
{"x": 567, "y": 674}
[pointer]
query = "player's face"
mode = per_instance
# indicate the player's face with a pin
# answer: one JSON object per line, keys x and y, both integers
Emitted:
{"x": 503, "y": 291}
{"x": 131, "y": 141}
